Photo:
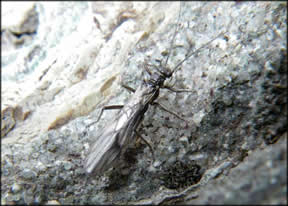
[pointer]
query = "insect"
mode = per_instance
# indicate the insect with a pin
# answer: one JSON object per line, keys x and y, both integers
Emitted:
{"x": 114, "y": 139}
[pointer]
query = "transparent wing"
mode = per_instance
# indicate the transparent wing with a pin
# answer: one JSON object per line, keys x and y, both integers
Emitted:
{"x": 114, "y": 137}
{"x": 103, "y": 152}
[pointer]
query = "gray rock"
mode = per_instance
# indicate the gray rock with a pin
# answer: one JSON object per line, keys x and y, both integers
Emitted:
{"x": 260, "y": 179}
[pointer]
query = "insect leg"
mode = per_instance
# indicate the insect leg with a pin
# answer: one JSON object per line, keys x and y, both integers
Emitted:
{"x": 176, "y": 90}
{"x": 169, "y": 111}
{"x": 128, "y": 88}
{"x": 106, "y": 108}
{"x": 144, "y": 140}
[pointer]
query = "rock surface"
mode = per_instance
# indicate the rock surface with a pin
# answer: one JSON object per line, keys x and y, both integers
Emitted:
{"x": 55, "y": 82}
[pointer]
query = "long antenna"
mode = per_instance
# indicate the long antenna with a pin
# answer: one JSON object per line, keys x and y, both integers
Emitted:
{"x": 172, "y": 41}
{"x": 197, "y": 50}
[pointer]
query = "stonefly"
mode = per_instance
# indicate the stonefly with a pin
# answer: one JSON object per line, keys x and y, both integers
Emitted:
{"x": 114, "y": 139}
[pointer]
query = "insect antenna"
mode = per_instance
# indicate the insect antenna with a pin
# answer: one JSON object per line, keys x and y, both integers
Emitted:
{"x": 197, "y": 50}
{"x": 173, "y": 38}
{"x": 160, "y": 69}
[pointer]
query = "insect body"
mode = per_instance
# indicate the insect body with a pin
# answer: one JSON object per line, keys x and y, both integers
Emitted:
{"x": 114, "y": 139}
{"x": 116, "y": 136}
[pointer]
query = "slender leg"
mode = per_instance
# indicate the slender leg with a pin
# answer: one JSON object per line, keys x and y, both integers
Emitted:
{"x": 169, "y": 111}
{"x": 128, "y": 88}
{"x": 105, "y": 108}
{"x": 177, "y": 90}
{"x": 144, "y": 140}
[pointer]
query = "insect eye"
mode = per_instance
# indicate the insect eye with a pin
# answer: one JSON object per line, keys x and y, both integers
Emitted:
{"x": 167, "y": 72}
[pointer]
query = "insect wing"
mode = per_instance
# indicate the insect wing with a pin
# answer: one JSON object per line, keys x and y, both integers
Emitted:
{"x": 113, "y": 139}
{"x": 103, "y": 152}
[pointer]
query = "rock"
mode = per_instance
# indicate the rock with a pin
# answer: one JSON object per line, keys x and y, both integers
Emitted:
{"x": 236, "y": 107}
{"x": 20, "y": 23}
{"x": 259, "y": 179}
{"x": 7, "y": 120}
{"x": 52, "y": 202}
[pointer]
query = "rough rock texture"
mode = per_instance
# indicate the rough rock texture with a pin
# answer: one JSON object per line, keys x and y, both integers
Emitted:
{"x": 19, "y": 26}
{"x": 233, "y": 149}
{"x": 260, "y": 179}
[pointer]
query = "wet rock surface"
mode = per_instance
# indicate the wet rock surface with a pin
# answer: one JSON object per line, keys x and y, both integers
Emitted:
{"x": 234, "y": 148}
